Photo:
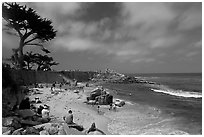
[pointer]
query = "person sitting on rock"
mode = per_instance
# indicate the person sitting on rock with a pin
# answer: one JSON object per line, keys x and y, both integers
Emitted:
{"x": 69, "y": 121}
{"x": 39, "y": 110}
{"x": 25, "y": 104}
{"x": 69, "y": 118}
{"x": 45, "y": 114}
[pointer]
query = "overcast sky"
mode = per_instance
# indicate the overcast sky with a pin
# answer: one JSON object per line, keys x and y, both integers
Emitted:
{"x": 126, "y": 37}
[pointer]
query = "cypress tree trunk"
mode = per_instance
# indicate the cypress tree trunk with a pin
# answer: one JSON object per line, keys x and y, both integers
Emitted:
{"x": 21, "y": 54}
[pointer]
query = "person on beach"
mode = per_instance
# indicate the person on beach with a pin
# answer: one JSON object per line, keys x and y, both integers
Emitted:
{"x": 111, "y": 105}
{"x": 93, "y": 129}
{"x": 69, "y": 118}
{"x": 45, "y": 114}
{"x": 114, "y": 107}
{"x": 53, "y": 86}
{"x": 25, "y": 104}
{"x": 98, "y": 109}
{"x": 69, "y": 121}
{"x": 45, "y": 111}
{"x": 39, "y": 110}
{"x": 60, "y": 86}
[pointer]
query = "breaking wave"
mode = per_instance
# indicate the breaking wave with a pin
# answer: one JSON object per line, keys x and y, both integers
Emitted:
{"x": 179, "y": 93}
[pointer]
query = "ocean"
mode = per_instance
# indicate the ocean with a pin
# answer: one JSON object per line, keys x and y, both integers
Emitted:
{"x": 172, "y": 105}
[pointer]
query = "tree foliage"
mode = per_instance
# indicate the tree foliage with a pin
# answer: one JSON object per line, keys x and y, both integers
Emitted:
{"x": 44, "y": 62}
{"x": 28, "y": 26}
{"x": 29, "y": 60}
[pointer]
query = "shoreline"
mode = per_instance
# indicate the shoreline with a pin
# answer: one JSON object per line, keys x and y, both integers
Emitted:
{"x": 131, "y": 119}
{"x": 172, "y": 114}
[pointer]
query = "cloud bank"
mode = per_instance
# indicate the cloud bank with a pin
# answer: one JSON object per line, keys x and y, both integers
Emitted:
{"x": 134, "y": 32}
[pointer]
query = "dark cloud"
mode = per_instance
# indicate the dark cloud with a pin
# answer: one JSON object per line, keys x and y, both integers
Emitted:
{"x": 134, "y": 33}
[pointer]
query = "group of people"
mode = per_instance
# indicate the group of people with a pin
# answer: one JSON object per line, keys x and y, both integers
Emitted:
{"x": 42, "y": 112}
{"x": 54, "y": 85}
{"x": 112, "y": 107}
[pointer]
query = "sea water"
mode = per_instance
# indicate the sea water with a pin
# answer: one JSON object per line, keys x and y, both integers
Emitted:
{"x": 172, "y": 105}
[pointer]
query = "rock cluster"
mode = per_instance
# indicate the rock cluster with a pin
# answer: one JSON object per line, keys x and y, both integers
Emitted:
{"x": 114, "y": 77}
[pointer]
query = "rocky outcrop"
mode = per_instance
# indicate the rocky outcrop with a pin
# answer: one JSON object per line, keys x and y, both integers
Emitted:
{"x": 112, "y": 76}
{"x": 100, "y": 96}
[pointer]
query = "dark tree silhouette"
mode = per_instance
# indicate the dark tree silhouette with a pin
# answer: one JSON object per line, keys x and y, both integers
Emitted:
{"x": 28, "y": 26}
{"x": 29, "y": 60}
{"x": 44, "y": 62}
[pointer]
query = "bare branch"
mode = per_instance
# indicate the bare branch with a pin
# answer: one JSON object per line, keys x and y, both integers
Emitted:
{"x": 27, "y": 35}
{"x": 31, "y": 40}
{"x": 35, "y": 44}
{"x": 14, "y": 27}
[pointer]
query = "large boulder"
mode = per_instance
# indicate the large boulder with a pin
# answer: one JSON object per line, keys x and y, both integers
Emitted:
{"x": 94, "y": 93}
{"x": 53, "y": 130}
{"x": 31, "y": 131}
{"x": 44, "y": 126}
{"x": 109, "y": 99}
{"x": 26, "y": 113}
{"x": 72, "y": 131}
{"x": 18, "y": 131}
{"x": 7, "y": 130}
{"x": 61, "y": 131}
{"x": 44, "y": 132}
{"x": 96, "y": 133}
{"x": 49, "y": 128}
{"x": 7, "y": 121}
{"x": 29, "y": 122}
{"x": 119, "y": 103}
{"x": 11, "y": 122}
{"x": 16, "y": 124}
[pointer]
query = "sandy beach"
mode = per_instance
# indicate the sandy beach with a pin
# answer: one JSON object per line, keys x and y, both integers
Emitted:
{"x": 125, "y": 121}
{"x": 64, "y": 100}
{"x": 131, "y": 119}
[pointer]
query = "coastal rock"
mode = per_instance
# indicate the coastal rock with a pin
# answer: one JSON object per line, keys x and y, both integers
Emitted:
{"x": 71, "y": 131}
{"x": 119, "y": 103}
{"x": 44, "y": 126}
{"x": 44, "y": 132}
{"x": 61, "y": 131}
{"x": 29, "y": 122}
{"x": 95, "y": 133}
{"x": 7, "y": 132}
{"x": 18, "y": 131}
{"x": 5, "y": 129}
{"x": 7, "y": 121}
{"x": 53, "y": 130}
{"x": 26, "y": 113}
{"x": 31, "y": 131}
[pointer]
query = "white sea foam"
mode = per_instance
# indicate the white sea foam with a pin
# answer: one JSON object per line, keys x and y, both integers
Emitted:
{"x": 180, "y": 93}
